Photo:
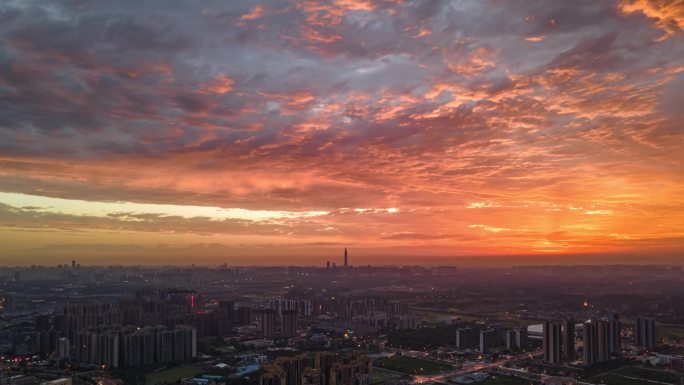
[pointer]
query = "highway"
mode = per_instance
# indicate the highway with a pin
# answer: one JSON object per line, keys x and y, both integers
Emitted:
{"x": 477, "y": 367}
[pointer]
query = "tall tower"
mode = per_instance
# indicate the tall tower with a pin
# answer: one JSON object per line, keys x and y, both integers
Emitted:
{"x": 268, "y": 323}
{"x": 289, "y": 323}
{"x": 553, "y": 342}
{"x": 590, "y": 342}
{"x": 603, "y": 340}
{"x": 345, "y": 258}
{"x": 569, "y": 340}
{"x": 614, "y": 344}
{"x": 644, "y": 333}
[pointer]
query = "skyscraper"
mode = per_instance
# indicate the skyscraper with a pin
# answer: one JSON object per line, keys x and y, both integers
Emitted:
{"x": 100, "y": 348}
{"x": 521, "y": 337}
{"x": 63, "y": 348}
{"x": 488, "y": 340}
{"x": 600, "y": 340}
{"x": 614, "y": 343}
{"x": 552, "y": 342}
{"x": 465, "y": 338}
{"x": 589, "y": 348}
{"x": 244, "y": 315}
{"x": 569, "y": 340}
{"x": 644, "y": 332}
{"x": 509, "y": 340}
{"x": 323, "y": 361}
{"x": 289, "y": 324}
{"x": 268, "y": 323}
{"x": 603, "y": 341}
{"x": 140, "y": 346}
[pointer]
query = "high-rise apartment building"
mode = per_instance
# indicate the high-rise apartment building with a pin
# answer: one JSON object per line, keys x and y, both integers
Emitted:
{"x": 150, "y": 345}
{"x": 98, "y": 347}
{"x": 488, "y": 339}
{"x": 614, "y": 342}
{"x": 268, "y": 323}
{"x": 509, "y": 340}
{"x": 552, "y": 342}
{"x": 244, "y": 315}
{"x": 644, "y": 333}
{"x": 465, "y": 338}
{"x": 289, "y": 323}
{"x": 589, "y": 343}
{"x": 569, "y": 340}
{"x": 521, "y": 337}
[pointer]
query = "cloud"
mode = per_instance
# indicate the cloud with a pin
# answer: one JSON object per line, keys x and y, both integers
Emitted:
{"x": 668, "y": 15}
{"x": 448, "y": 124}
{"x": 491, "y": 229}
{"x": 415, "y": 236}
{"x": 256, "y": 13}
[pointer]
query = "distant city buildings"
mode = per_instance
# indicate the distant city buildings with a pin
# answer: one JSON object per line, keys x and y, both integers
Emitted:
{"x": 110, "y": 335}
{"x": 319, "y": 310}
{"x": 131, "y": 346}
{"x": 644, "y": 333}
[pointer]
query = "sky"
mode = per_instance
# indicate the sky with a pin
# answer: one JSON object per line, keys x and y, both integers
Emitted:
{"x": 280, "y": 132}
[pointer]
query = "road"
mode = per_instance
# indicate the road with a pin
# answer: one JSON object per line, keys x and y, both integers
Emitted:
{"x": 477, "y": 367}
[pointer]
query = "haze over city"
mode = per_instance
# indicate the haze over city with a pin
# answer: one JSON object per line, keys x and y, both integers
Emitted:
{"x": 279, "y": 132}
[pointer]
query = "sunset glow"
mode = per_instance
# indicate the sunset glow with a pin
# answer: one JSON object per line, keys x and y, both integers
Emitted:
{"x": 287, "y": 130}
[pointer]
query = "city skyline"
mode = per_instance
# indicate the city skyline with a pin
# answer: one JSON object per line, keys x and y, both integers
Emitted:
{"x": 284, "y": 132}
{"x": 330, "y": 325}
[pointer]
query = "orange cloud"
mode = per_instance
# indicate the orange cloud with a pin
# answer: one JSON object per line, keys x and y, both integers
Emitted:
{"x": 355, "y": 5}
{"x": 222, "y": 84}
{"x": 315, "y": 36}
{"x": 668, "y": 15}
{"x": 479, "y": 60}
{"x": 256, "y": 13}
